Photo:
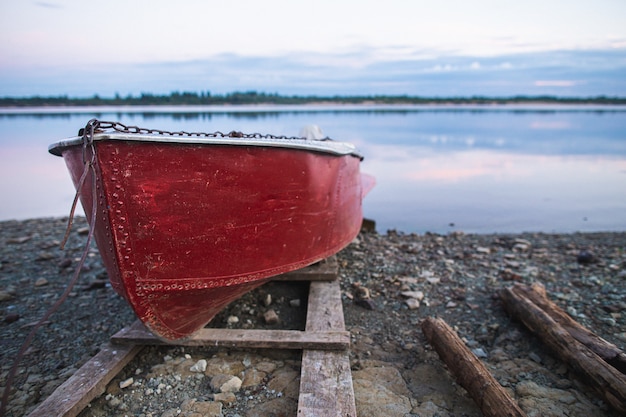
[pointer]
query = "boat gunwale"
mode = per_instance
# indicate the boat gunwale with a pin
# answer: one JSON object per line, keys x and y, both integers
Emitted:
{"x": 327, "y": 146}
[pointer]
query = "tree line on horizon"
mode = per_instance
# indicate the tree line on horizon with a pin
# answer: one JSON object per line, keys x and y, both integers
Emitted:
{"x": 254, "y": 97}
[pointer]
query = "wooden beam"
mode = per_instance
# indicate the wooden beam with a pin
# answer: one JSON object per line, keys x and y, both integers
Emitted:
{"x": 87, "y": 383}
{"x": 326, "y": 380}
{"x": 248, "y": 338}
{"x": 469, "y": 371}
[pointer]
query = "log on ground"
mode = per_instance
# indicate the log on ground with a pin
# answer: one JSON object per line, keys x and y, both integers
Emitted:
{"x": 602, "y": 377}
{"x": 606, "y": 350}
{"x": 469, "y": 371}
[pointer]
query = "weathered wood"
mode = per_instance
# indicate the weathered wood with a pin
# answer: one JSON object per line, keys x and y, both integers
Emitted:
{"x": 606, "y": 380}
{"x": 326, "y": 380}
{"x": 250, "y": 338}
{"x": 87, "y": 383}
{"x": 325, "y": 270}
{"x": 606, "y": 350}
{"x": 469, "y": 371}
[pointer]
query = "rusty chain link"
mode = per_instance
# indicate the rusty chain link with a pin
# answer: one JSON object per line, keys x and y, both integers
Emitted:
{"x": 100, "y": 126}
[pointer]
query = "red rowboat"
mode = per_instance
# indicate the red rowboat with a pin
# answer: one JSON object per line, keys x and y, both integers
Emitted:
{"x": 186, "y": 223}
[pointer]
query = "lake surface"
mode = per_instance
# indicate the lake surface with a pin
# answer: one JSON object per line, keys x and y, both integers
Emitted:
{"x": 438, "y": 169}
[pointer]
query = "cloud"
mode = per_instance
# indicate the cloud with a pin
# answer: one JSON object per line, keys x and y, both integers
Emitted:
{"x": 359, "y": 71}
{"x": 555, "y": 83}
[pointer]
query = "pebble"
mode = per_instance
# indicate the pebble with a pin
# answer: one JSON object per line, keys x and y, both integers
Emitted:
{"x": 4, "y": 296}
{"x": 418, "y": 295}
{"x": 199, "y": 366}
{"x": 41, "y": 282}
{"x": 126, "y": 383}
{"x": 270, "y": 317}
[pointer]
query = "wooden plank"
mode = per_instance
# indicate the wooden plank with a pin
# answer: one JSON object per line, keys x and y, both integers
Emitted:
{"x": 87, "y": 383}
{"x": 324, "y": 311}
{"x": 325, "y": 270}
{"x": 326, "y": 381}
{"x": 274, "y": 339}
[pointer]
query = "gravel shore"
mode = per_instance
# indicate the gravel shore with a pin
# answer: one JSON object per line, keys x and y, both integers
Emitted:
{"x": 404, "y": 277}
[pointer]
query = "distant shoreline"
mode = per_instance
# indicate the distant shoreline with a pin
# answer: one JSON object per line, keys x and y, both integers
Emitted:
{"x": 53, "y": 110}
{"x": 264, "y": 99}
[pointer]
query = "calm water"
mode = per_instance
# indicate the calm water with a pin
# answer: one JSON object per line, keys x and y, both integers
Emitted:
{"x": 551, "y": 169}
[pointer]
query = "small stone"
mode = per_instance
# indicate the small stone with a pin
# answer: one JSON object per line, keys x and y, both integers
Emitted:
{"x": 19, "y": 240}
{"x": 4, "y": 296}
{"x": 418, "y": 295}
{"x": 41, "y": 282}
{"x": 226, "y": 383}
{"x": 126, "y": 383}
{"x": 412, "y": 303}
{"x": 433, "y": 280}
{"x": 479, "y": 352}
{"x": 11, "y": 318}
{"x": 295, "y": 303}
{"x": 267, "y": 300}
{"x": 83, "y": 231}
{"x": 585, "y": 257}
{"x": 232, "y": 319}
{"x": 225, "y": 398}
{"x": 451, "y": 304}
{"x": 45, "y": 256}
{"x": 270, "y": 317}
{"x": 483, "y": 250}
{"x": 199, "y": 366}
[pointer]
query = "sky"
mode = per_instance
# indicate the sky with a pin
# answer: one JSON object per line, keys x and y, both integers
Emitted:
{"x": 322, "y": 47}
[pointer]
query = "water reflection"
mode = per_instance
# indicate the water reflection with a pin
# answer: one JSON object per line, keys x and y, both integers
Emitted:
{"x": 477, "y": 170}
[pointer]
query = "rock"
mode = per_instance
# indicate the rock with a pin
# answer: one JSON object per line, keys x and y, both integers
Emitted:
{"x": 295, "y": 302}
{"x": 45, "y": 256}
{"x": 232, "y": 319}
{"x": 252, "y": 378}
{"x": 126, "y": 383}
{"x": 267, "y": 300}
{"x": 283, "y": 379}
{"x": 19, "y": 240}
{"x": 270, "y": 317}
{"x": 380, "y": 392}
{"x": 585, "y": 257}
{"x": 41, "y": 282}
{"x": 11, "y": 318}
{"x": 418, "y": 295}
{"x": 225, "y": 383}
{"x": 412, "y": 303}
{"x": 479, "y": 352}
{"x": 4, "y": 296}
{"x": 225, "y": 397}
{"x": 433, "y": 280}
{"x": 537, "y": 400}
{"x": 199, "y": 366}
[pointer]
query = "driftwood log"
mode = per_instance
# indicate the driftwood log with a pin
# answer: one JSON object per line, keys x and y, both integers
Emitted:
{"x": 600, "y": 375}
{"x": 469, "y": 371}
{"x": 607, "y": 351}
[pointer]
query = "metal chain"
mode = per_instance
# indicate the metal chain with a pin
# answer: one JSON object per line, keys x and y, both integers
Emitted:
{"x": 100, "y": 126}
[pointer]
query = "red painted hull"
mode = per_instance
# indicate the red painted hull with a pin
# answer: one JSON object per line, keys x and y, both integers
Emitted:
{"x": 184, "y": 229}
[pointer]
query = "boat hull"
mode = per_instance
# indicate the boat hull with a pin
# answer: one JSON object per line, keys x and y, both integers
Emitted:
{"x": 184, "y": 229}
